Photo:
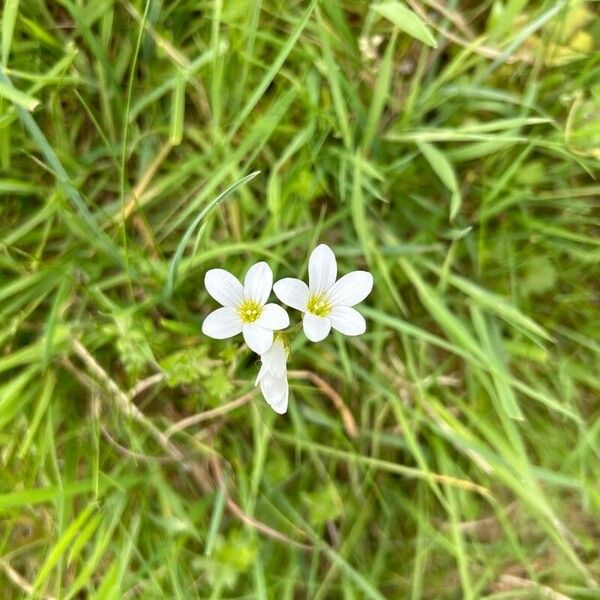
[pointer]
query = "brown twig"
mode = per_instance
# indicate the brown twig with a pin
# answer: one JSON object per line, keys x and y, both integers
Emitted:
{"x": 336, "y": 399}
{"x": 19, "y": 581}
{"x": 133, "y": 200}
{"x": 143, "y": 385}
{"x": 210, "y": 414}
{"x": 513, "y": 582}
{"x": 198, "y": 474}
{"x": 453, "y": 16}
{"x": 236, "y": 510}
{"x": 138, "y": 456}
{"x": 475, "y": 45}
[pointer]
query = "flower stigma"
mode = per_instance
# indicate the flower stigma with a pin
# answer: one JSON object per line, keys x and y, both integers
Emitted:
{"x": 319, "y": 305}
{"x": 249, "y": 311}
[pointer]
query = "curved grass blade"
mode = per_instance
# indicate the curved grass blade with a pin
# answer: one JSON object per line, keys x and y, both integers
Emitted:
{"x": 190, "y": 230}
{"x": 406, "y": 20}
{"x": 445, "y": 171}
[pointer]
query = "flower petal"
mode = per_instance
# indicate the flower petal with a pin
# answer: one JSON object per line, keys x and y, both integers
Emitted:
{"x": 281, "y": 407}
{"x": 258, "y": 282}
{"x": 261, "y": 373}
{"x": 347, "y": 320}
{"x": 322, "y": 269}
{"x": 258, "y": 339}
{"x": 275, "y": 391}
{"x": 274, "y": 360}
{"x": 351, "y": 288}
{"x": 292, "y": 292}
{"x": 224, "y": 287}
{"x": 316, "y": 328}
{"x": 273, "y": 316}
{"x": 222, "y": 323}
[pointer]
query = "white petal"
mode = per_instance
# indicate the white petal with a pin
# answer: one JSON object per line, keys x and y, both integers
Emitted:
{"x": 222, "y": 323}
{"x": 224, "y": 287}
{"x": 258, "y": 282}
{"x": 347, "y": 320}
{"x": 281, "y": 407}
{"x": 274, "y": 360}
{"x": 322, "y": 269}
{"x": 275, "y": 391}
{"x": 316, "y": 328}
{"x": 261, "y": 373}
{"x": 273, "y": 317}
{"x": 351, "y": 288}
{"x": 258, "y": 339}
{"x": 292, "y": 292}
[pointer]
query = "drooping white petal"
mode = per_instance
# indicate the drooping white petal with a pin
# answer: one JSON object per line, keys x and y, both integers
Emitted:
{"x": 281, "y": 407}
{"x": 224, "y": 287}
{"x": 351, "y": 288}
{"x": 261, "y": 373}
{"x": 258, "y": 338}
{"x": 274, "y": 317}
{"x": 315, "y": 328}
{"x": 222, "y": 323}
{"x": 347, "y": 320}
{"x": 258, "y": 282}
{"x": 292, "y": 292}
{"x": 275, "y": 391}
{"x": 274, "y": 360}
{"x": 322, "y": 269}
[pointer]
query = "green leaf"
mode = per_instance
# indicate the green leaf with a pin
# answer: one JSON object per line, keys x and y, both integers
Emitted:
{"x": 323, "y": 504}
{"x": 17, "y": 97}
{"x": 98, "y": 235}
{"x": 406, "y": 20}
{"x": 186, "y": 366}
{"x": 539, "y": 276}
{"x": 190, "y": 230}
{"x": 63, "y": 544}
{"x": 445, "y": 171}
{"x": 277, "y": 63}
{"x": 9, "y": 18}
{"x": 178, "y": 110}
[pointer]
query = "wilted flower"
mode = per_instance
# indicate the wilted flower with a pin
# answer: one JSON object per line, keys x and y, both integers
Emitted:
{"x": 272, "y": 377}
{"x": 325, "y": 302}
{"x": 244, "y": 307}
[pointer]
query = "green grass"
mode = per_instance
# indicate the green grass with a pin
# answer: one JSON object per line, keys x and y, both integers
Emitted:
{"x": 451, "y": 148}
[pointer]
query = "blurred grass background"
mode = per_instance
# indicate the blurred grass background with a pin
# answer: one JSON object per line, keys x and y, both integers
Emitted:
{"x": 449, "y": 147}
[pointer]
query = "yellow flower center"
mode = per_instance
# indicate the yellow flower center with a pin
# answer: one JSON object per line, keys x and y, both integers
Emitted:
{"x": 249, "y": 311}
{"x": 318, "y": 304}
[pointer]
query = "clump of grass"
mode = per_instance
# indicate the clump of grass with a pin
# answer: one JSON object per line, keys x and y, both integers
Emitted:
{"x": 452, "y": 451}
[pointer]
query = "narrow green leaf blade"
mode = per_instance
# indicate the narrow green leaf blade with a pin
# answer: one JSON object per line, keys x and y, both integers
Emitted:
{"x": 445, "y": 171}
{"x": 9, "y": 18}
{"x": 17, "y": 97}
{"x": 406, "y": 20}
{"x": 190, "y": 230}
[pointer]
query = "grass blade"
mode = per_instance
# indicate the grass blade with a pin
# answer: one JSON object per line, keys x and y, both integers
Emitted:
{"x": 406, "y": 20}
{"x": 194, "y": 225}
{"x": 445, "y": 171}
{"x": 17, "y": 97}
{"x": 9, "y": 18}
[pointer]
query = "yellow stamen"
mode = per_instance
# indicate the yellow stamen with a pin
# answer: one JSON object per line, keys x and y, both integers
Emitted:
{"x": 249, "y": 311}
{"x": 318, "y": 304}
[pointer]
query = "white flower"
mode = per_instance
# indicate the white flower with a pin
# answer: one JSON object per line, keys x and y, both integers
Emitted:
{"x": 244, "y": 307}
{"x": 273, "y": 377}
{"x": 325, "y": 302}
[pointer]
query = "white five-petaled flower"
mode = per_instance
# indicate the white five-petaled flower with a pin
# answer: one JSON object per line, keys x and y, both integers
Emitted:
{"x": 325, "y": 302}
{"x": 272, "y": 377}
{"x": 245, "y": 309}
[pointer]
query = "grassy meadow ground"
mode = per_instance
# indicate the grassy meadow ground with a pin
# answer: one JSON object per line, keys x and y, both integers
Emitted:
{"x": 452, "y": 148}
